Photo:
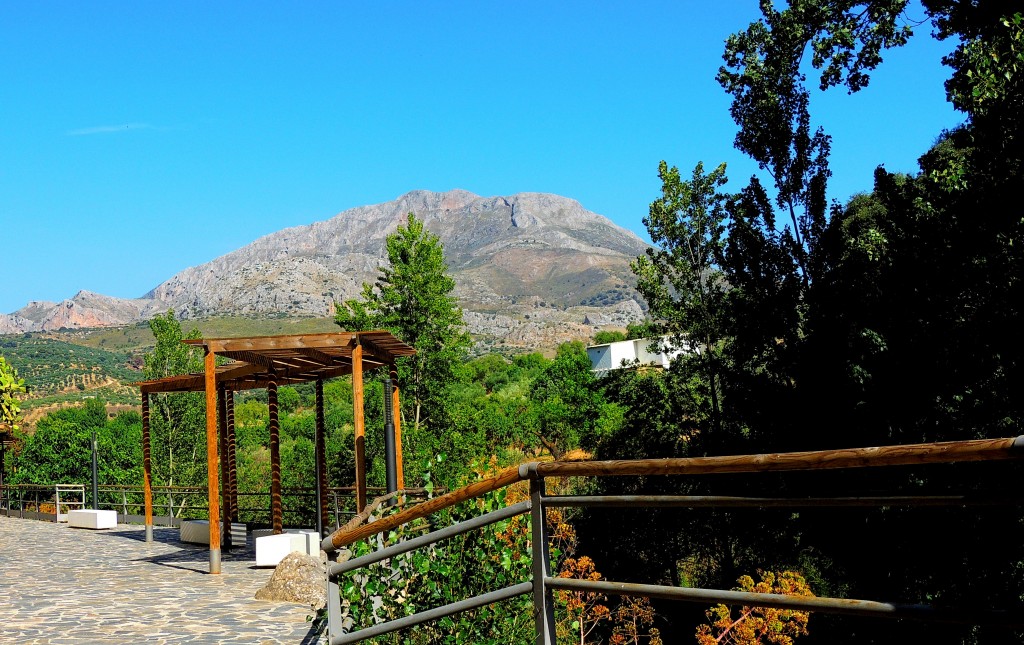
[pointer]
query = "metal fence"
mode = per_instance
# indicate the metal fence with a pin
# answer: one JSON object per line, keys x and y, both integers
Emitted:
{"x": 49, "y": 503}
{"x": 543, "y": 582}
{"x": 172, "y": 504}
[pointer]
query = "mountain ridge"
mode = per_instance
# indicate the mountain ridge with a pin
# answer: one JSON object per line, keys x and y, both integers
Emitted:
{"x": 522, "y": 263}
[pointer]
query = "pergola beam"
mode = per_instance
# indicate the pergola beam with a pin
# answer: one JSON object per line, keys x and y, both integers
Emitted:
{"x": 213, "y": 492}
{"x": 321, "y": 460}
{"x": 266, "y": 343}
{"x": 232, "y": 462}
{"x": 320, "y": 357}
{"x": 360, "y": 428}
{"x": 396, "y": 411}
{"x": 225, "y": 480}
{"x": 147, "y": 469}
{"x": 276, "y": 510}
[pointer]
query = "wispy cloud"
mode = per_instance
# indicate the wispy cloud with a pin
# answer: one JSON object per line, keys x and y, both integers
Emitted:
{"x": 109, "y": 129}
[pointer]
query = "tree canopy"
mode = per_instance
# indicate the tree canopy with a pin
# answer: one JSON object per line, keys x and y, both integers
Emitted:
{"x": 10, "y": 386}
{"x": 889, "y": 319}
{"x": 412, "y": 298}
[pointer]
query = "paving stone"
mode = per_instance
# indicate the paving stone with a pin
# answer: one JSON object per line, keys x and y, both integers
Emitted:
{"x": 61, "y": 586}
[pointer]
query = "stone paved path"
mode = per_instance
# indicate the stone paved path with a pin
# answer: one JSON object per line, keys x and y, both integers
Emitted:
{"x": 60, "y": 585}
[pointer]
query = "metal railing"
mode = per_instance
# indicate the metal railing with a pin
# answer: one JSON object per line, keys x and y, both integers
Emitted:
{"x": 171, "y": 504}
{"x": 543, "y": 582}
{"x": 49, "y": 503}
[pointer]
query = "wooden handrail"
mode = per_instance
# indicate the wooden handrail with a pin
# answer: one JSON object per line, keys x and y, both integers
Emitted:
{"x": 344, "y": 537}
{"x": 908, "y": 455}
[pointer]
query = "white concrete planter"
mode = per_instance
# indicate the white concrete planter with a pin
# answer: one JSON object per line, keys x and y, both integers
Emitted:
{"x": 92, "y": 519}
{"x": 271, "y": 549}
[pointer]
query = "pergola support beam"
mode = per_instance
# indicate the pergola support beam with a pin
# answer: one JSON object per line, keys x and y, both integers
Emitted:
{"x": 210, "y": 365}
{"x": 396, "y": 407}
{"x": 232, "y": 462}
{"x": 276, "y": 511}
{"x": 225, "y": 484}
{"x": 360, "y": 427}
{"x": 147, "y": 468}
{"x": 321, "y": 460}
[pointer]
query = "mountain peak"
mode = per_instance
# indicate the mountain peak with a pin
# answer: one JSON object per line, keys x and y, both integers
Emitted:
{"x": 524, "y": 265}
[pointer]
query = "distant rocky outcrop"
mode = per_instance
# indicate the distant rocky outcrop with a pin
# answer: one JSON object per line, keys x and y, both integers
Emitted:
{"x": 13, "y": 324}
{"x": 86, "y": 309}
{"x": 528, "y": 267}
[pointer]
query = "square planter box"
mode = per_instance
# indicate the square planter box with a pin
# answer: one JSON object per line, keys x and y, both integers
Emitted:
{"x": 271, "y": 549}
{"x": 92, "y": 519}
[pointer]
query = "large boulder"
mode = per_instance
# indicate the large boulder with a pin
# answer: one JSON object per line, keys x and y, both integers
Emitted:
{"x": 298, "y": 578}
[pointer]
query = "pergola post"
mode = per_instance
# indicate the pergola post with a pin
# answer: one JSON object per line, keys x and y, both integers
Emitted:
{"x": 360, "y": 429}
{"x": 222, "y": 432}
{"x": 210, "y": 365}
{"x": 321, "y": 460}
{"x": 232, "y": 458}
{"x": 396, "y": 407}
{"x": 147, "y": 468}
{"x": 276, "y": 512}
{"x": 390, "y": 460}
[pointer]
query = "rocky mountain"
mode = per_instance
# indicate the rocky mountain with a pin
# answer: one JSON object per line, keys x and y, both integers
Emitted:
{"x": 529, "y": 268}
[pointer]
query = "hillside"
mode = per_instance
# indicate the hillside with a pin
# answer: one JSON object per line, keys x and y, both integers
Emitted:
{"x": 62, "y": 372}
{"x": 67, "y": 366}
{"x": 531, "y": 269}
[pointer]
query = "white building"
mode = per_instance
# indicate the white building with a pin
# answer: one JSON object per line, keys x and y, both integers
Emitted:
{"x": 612, "y": 356}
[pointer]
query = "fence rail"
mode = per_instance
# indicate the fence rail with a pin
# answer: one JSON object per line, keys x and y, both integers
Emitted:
{"x": 542, "y": 582}
{"x": 171, "y": 503}
{"x": 50, "y": 503}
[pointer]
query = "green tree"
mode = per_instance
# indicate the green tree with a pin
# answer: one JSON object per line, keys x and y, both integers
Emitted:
{"x": 566, "y": 401}
{"x": 10, "y": 386}
{"x": 60, "y": 449}
{"x": 412, "y": 298}
{"x": 608, "y": 336}
{"x": 680, "y": 277}
{"x": 179, "y": 422}
{"x": 890, "y": 317}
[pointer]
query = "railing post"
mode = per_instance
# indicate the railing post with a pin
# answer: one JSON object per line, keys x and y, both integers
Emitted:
{"x": 543, "y": 602}
{"x": 334, "y": 616}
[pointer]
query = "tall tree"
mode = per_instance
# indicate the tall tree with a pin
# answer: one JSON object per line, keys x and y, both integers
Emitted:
{"x": 680, "y": 277}
{"x": 178, "y": 425}
{"x": 772, "y": 256}
{"x": 412, "y": 298}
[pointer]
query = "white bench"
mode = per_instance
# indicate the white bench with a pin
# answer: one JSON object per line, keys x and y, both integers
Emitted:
{"x": 198, "y": 532}
{"x": 271, "y": 549}
{"x": 92, "y": 519}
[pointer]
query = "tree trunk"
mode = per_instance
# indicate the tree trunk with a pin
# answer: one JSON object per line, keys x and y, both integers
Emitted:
{"x": 556, "y": 454}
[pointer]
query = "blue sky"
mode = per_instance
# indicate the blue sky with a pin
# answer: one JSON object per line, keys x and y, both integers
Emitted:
{"x": 140, "y": 138}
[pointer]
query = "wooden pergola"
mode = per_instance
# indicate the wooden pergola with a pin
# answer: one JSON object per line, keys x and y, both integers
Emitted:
{"x": 267, "y": 362}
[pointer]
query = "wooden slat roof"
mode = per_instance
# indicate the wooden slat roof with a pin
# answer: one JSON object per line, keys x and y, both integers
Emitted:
{"x": 291, "y": 359}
